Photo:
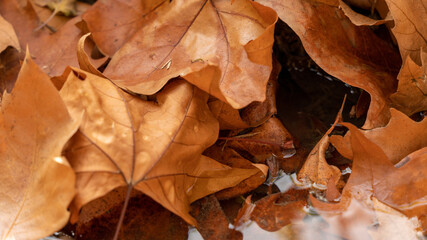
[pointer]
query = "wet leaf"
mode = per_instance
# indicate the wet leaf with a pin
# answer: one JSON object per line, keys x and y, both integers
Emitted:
{"x": 152, "y": 146}
{"x": 36, "y": 182}
{"x": 222, "y": 48}
{"x": 395, "y": 143}
{"x": 350, "y": 53}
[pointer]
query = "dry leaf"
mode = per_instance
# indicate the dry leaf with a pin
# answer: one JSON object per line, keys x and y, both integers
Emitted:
{"x": 269, "y": 139}
{"x": 154, "y": 147}
{"x": 222, "y": 48}
{"x": 395, "y": 143}
{"x": 316, "y": 169}
{"x": 52, "y": 52}
{"x": 411, "y": 95}
{"x": 36, "y": 183}
{"x": 410, "y": 28}
{"x": 7, "y": 35}
{"x": 359, "y": 19}
{"x": 352, "y": 54}
{"x": 373, "y": 174}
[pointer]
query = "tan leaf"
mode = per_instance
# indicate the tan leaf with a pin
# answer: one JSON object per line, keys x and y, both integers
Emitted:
{"x": 359, "y": 19}
{"x": 411, "y": 95}
{"x": 36, "y": 183}
{"x": 350, "y": 53}
{"x": 393, "y": 225}
{"x": 152, "y": 146}
{"x": 222, "y": 48}
{"x": 395, "y": 143}
{"x": 7, "y": 35}
{"x": 410, "y": 28}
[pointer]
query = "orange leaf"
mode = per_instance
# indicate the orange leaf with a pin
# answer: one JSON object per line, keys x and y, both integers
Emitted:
{"x": 410, "y": 28}
{"x": 152, "y": 146}
{"x": 350, "y": 53}
{"x": 7, "y": 35}
{"x": 222, "y": 48}
{"x": 36, "y": 183}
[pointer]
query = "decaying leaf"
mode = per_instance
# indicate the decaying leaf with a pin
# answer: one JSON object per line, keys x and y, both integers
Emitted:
{"x": 222, "y": 48}
{"x": 373, "y": 174}
{"x": 410, "y": 27}
{"x": 36, "y": 182}
{"x": 359, "y": 19}
{"x": 7, "y": 35}
{"x": 154, "y": 147}
{"x": 411, "y": 95}
{"x": 316, "y": 169}
{"x": 395, "y": 143}
{"x": 352, "y": 54}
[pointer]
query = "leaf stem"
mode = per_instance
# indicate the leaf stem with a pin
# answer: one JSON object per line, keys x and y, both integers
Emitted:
{"x": 122, "y": 214}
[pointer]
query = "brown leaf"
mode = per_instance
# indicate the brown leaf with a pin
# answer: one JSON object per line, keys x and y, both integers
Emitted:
{"x": 36, "y": 183}
{"x": 229, "y": 157}
{"x": 316, "y": 169}
{"x": 222, "y": 48}
{"x": 271, "y": 138}
{"x": 52, "y": 52}
{"x": 411, "y": 95}
{"x": 373, "y": 174}
{"x": 395, "y": 143}
{"x": 352, "y": 54}
{"x": 410, "y": 27}
{"x": 359, "y": 19}
{"x": 154, "y": 147}
{"x": 278, "y": 210}
{"x": 7, "y": 35}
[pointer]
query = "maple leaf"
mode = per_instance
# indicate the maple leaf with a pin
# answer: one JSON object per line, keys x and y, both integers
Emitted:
{"x": 353, "y": 54}
{"x": 411, "y": 95}
{"x": 7, "y": 35}
{"x": 409, "y": 28}
{"x": 36, "y": 183}
{"x": 154, "y": 147}
{"x": 222, "y": 48}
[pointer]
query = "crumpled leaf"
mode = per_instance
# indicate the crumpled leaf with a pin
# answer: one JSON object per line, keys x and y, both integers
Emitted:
{"x": 410, "y": 28}
{"x": 393, "y": 225}
{"x": 411, "y": 95}
{"x": 352, "y": 54}
{"x": 7, "y": 35}
{"x": 154, "y": 147}
{"x": 395, "y": 143}
{"x": 222, "y": 48}
{"x": 359, "y": 19}
{"x": 36, "y": 183}
{"x": 373, "y": 174}
{"x": 316, "y": 169}
{"x": 52, "y": 52}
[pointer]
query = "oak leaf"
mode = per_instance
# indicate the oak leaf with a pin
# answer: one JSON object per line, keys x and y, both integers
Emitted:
{"x": 353, "y": 54}
{"x": 395, "y": 143}
{"x": 152, "y": 146}
{"x": 411, "y": 95}
{"x": 222, "y": 48}
{"x": 410, "y": 27}
{"x": 373, "y": 174}
{"x": 36, "y": 183}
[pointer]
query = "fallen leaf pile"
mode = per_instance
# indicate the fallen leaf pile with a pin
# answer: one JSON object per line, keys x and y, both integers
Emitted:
{"x": 141, "y": 118}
